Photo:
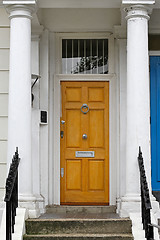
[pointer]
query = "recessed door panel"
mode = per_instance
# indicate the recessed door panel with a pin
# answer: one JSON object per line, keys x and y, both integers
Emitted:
{"x": 73, "y": 94}
{"x": 96, "y": 175}
{"x": 95, "y": 94}
{"x": 96, "y": 128}
{"x": 74, "y": 180}
{"x": 85, "y": 143}
{"x": 73, "y": 128}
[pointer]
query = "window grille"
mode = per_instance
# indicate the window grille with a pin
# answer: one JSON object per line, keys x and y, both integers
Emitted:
{"x": 84, "y": 56}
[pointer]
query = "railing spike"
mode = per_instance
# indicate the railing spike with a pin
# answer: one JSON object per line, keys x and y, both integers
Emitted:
{"x": 11, "y": 196}
{"x": 139, "y": 149}
{"x": 145, "y": 199}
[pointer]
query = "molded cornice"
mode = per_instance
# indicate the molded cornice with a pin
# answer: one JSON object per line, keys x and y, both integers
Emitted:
{"x": 23, "y": 2}
{"x": 138, "y": 2}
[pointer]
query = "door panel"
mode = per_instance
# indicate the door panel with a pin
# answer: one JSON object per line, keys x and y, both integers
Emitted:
{"x": 95, "y": 94}
{"x": 86, "y": 179}
{"x": 73, "y": 94}
{"x": 96, "y": 175}
{"x": 96, "y": 128}
{"x": 74, "y": 180}
{"x": 73, "y": 128}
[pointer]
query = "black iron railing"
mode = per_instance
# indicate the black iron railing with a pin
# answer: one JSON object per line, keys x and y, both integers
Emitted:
{"x": 11, "y": 197}
{"x": 145, "y": 200}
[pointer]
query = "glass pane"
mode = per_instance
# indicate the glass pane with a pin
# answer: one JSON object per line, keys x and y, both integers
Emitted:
{"x": 84, "y": 56}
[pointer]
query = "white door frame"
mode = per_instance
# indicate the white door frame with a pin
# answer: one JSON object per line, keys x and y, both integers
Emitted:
{"x": 57, "y": 113}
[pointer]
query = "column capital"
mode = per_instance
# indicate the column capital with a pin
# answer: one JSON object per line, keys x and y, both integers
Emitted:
{"x": 20, "y": 8}
{"x": 138, "y": 11}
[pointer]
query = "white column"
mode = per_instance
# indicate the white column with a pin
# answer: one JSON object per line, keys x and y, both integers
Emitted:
{"x": 138, "y": 107}
{"x": 19, "y": 108}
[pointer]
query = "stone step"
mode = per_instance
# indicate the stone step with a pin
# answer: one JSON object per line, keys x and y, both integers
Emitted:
{"x": 80, "y": 209}
{"x": 74, "y": 226}
{"x": 80, "y": 237}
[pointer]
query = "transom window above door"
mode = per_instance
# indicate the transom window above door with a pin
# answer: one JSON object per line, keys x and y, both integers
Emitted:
{"x": 84, "y": 56}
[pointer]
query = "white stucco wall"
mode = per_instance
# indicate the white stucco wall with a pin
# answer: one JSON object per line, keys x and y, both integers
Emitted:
{"x": 4, "y": 76}
{"x": 154, "y": 22}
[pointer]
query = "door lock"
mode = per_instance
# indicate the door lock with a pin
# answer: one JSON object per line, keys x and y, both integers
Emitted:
{"x": 62, "y": 134}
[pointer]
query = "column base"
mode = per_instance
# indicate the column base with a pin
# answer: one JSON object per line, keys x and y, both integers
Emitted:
{"x": 132, "y": 204}
{"x": 33, "y": 203}
{"x": 128, "y": 204}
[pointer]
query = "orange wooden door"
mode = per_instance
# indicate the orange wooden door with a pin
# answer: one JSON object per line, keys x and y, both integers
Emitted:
{"x": 85, "y": 180}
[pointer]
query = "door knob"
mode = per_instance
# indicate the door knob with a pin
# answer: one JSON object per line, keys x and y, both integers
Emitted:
{"x": 84, "y": 136}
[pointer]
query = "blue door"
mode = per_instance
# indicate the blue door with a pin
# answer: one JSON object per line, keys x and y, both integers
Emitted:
{"x": 155, "y": 120}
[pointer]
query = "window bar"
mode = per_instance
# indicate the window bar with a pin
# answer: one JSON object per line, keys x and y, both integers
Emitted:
{"x": 72, "y": 57}
{"x": 84, "y": 57}
{"x": 78, "y": 56}
{"x": 103, "y": 56}
{"x": 91, "y": 56}
{"x": 97, "y": 56}
{"x": 66, "y": 56}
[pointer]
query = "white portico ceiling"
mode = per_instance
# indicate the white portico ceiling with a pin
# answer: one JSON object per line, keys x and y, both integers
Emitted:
{"x": 83, "y": 3}
{"x": 79, "y": 3}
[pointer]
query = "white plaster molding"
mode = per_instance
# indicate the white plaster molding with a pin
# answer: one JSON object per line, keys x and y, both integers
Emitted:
{"x": 36, "y": 32}
{"x": 144, "y": 2}
{"x": 35, "y": 37}
{"x": 24, "y": 2}
{"x": 138, "y": 11}
{"x": 131, "y": 198}
{"x": 33, "y": 204}
{"x": 89, "y": 77}
{"x": 120, "y": 32}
